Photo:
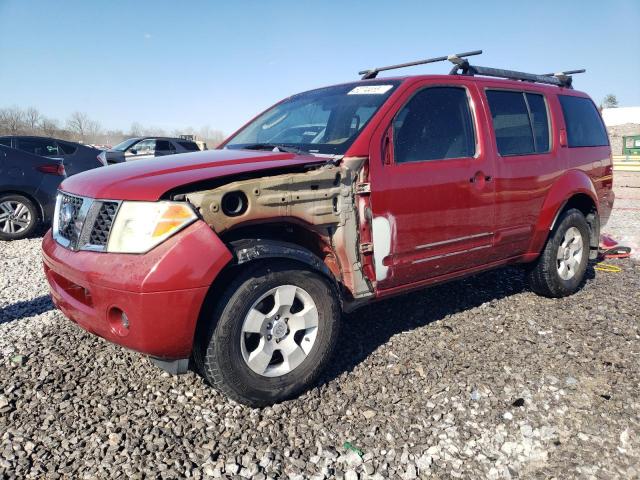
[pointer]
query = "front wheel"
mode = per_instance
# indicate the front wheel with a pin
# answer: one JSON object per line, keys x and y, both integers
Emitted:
{"x": 271, "y": 334}
{"x": 560, "y": 269}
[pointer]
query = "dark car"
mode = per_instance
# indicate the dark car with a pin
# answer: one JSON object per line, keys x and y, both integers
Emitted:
{"x": 147, "y": 147}
{"x": 28, "y": 185}
{"x": 75, "y": 157}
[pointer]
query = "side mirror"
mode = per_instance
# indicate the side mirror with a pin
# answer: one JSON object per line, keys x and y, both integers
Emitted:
{"x": 133, "y": 151}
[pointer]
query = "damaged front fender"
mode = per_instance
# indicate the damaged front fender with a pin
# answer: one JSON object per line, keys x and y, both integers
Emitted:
{"x": 321, "y": 200}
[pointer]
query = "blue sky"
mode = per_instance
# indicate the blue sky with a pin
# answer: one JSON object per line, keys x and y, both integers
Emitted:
{"x": 176, "y": 64}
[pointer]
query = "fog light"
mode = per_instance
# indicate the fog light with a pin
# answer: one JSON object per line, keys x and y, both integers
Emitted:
{"x": 119, "y": 321}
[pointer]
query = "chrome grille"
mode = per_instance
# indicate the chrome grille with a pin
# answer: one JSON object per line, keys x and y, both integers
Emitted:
{"x": 83, "y": 223}
{"x": 102, "y": 225}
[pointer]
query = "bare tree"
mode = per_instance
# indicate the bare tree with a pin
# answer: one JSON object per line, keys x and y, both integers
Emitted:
{"x": 49, "y": 127}
{"x": 609, "y": 101}
{"x": 83, "y": 127}
{"x": 135, "y": 130}
{"x": 12, "y": 120}
{"x": 32, "y": 119}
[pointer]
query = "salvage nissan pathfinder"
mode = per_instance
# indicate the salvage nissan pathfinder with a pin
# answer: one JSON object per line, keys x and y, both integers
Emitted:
{"x": 242, "y": 259}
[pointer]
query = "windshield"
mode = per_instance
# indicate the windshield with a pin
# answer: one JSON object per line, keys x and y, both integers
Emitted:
{"x": 326, "y": 120}
{"x": 121, "y": 147}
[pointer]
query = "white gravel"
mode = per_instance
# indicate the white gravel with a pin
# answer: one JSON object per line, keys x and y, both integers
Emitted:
{"x": 478, "y": 378}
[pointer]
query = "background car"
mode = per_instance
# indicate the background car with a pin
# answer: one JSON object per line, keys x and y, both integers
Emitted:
{"x": 75, "y": 156}
{"x": 147, "y": 147}
{"x": 28, "y": 186}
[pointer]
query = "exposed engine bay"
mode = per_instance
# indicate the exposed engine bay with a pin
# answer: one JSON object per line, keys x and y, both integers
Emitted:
{"x": 321, "y": 201}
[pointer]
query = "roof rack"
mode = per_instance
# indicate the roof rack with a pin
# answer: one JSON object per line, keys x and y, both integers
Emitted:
{"x": 462, "y": 67}
{"x": 373, "y": 73}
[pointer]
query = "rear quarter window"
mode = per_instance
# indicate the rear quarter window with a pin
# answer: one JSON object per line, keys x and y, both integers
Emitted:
{"x": 584, "y": 125}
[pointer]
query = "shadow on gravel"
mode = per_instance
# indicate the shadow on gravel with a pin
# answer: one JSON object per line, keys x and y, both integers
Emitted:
{"x": 28, "y": 308}
{"x": 364, "y": 330}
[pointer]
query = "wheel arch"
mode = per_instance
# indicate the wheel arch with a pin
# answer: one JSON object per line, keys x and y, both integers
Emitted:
{"x": 249, "y": 250}
{"x": 573, "y": 190}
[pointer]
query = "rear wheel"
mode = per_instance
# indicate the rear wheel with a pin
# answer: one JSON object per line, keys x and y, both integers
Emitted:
{"x": 560, "y": 269}
{"x": 270, "y": 335}
{"x": 18, "y": 217}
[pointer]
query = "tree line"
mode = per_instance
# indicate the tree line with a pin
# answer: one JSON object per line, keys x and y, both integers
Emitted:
{"x": 79, "y": 127}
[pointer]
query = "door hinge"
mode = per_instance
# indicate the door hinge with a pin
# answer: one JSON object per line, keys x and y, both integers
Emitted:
{"x": 366, "y": 247}
{"x": 362, "y": 188}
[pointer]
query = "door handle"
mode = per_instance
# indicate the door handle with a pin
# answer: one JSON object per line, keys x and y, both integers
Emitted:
{"x": 480, "y": 176}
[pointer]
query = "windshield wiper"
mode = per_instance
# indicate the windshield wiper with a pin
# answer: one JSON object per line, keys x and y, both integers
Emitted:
{"x": 273, "y": 146}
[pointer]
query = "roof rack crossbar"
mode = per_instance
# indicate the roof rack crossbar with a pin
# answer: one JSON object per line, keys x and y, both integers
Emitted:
{"x": 561, "y": 79}
{"x": 372, "y": 73}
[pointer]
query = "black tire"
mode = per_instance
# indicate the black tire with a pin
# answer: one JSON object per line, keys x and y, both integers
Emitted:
{"x": 544, "y": 276}
{"x": 217, "y": 349}
{"x": 6, "y": 225}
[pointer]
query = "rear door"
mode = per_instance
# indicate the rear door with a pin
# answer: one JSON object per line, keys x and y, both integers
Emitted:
{"x": 527, "y": 164}
{"x": 432, "y": 190}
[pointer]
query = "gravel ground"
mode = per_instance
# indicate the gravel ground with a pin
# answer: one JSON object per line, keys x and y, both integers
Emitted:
{"x": 478, "y": 378}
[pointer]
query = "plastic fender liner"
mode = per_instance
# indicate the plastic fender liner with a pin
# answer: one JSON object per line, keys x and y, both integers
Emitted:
{"x": 247, "y": 250}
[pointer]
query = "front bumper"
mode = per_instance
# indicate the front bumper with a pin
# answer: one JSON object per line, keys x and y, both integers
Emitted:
{"x": 161, "y": 292}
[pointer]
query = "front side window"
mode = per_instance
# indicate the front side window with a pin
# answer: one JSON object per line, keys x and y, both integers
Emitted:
{"x": 435, "y": 124}
{"x": 44, "y": 148}
{"x": 121, "y": 147}
{"x": 327, "y": 120}
{"x": 144, "y": 147}
{"x": 584, "y": 125}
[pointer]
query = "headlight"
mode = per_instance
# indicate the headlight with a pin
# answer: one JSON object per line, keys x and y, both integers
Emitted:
{"x": 140, "y": 226}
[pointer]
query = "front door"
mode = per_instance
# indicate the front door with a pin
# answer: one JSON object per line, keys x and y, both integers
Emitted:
{"x": 432, "y": 189}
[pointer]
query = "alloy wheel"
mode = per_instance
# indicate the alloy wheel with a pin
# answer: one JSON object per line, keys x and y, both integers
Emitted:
{"x": 15, "y": 216}
{"x": 570, "y": 253}
{"x": 279, "y": 331}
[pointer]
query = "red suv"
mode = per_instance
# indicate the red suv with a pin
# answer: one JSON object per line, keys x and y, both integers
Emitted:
{"x": 243, "y": 258}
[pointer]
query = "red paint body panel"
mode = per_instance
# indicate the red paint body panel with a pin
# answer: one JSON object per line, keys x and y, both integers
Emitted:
{"x": 442, "y": 226}
{"x": 161, "y": 291}
{"x": 429, "y": 204}
{"x": 150, "y": 179}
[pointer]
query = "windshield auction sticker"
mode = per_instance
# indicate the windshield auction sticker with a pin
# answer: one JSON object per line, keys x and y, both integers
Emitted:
{"x": 370, "y": 90}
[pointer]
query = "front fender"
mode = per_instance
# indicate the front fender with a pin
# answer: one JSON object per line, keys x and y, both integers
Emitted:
{"x": 573, "y": 182}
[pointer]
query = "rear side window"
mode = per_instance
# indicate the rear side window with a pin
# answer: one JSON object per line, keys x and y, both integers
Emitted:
{"x": 164, "y": 146}
{"x": 520, "y": 122}
{"x": 539, "y": 120}
{"x": 584, "y": 125}
{"x": 67, "y": 148}
{"x": 191, "y": 146}
{"x": 42, "y": 147}
{"x": 435, "y": 124}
